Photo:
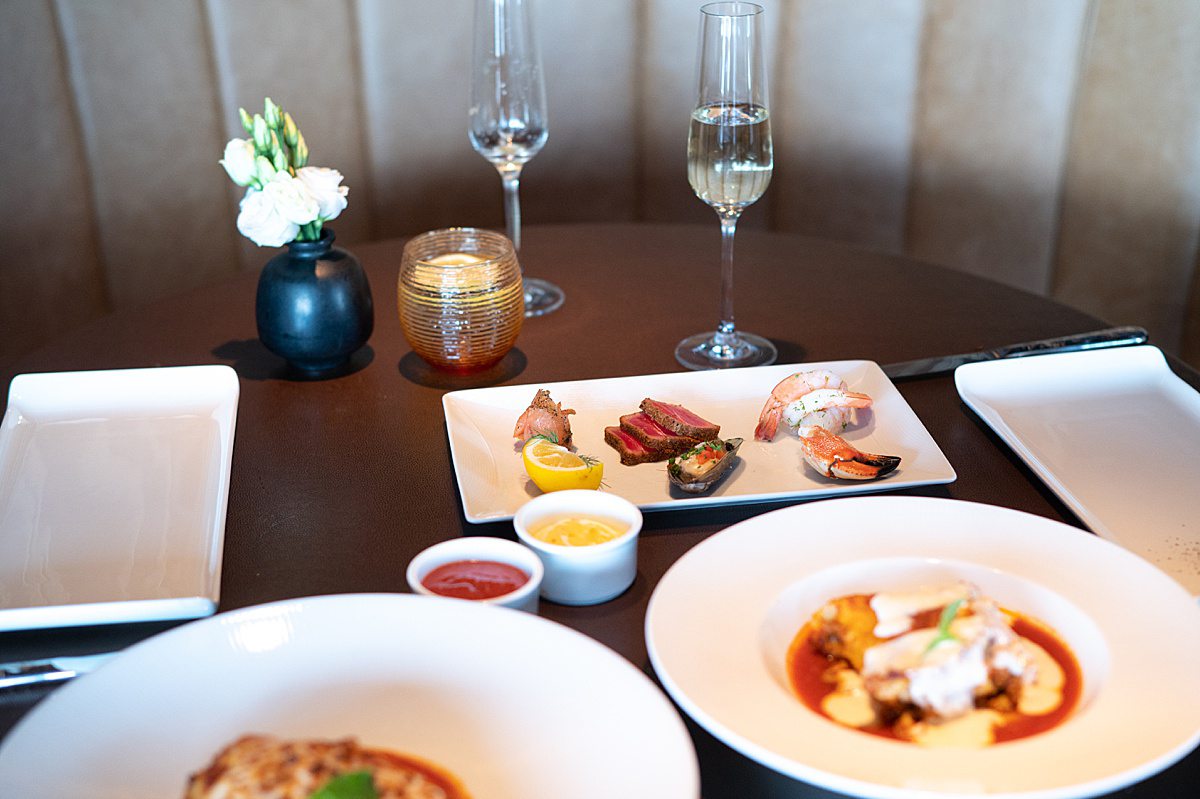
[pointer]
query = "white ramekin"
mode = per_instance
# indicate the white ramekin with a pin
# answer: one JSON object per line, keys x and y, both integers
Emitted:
{"x": 481, "y": 548}
{"x": 586, "y": 575}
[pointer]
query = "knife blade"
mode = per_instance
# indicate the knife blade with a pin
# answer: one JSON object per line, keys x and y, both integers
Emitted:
{"x": 49, "y": 670}
{"x": 1097, "y": 339}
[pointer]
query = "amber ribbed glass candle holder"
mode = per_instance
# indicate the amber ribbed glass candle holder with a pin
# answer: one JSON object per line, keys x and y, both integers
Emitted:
{"x": 460, "y": 297}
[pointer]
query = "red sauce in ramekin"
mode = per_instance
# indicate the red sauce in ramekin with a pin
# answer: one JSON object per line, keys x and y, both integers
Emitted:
{"x": 475, "y": 579}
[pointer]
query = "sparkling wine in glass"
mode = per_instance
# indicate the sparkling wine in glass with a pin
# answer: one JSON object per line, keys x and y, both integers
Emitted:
{"x": 729, "y": 159}
{"x": 508, "y": 115}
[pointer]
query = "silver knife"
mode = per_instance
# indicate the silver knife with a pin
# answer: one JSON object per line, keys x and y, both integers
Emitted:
{"x": 49, "y": 670}
{"x": 1097, "y": 339}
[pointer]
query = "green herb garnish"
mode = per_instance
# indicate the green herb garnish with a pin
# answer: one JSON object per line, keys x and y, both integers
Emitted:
{"x": 943, "y": 628}
{"x": 352, "y": 785}
{"x": 551, "y": 437}
{"x": 715, "y": 446}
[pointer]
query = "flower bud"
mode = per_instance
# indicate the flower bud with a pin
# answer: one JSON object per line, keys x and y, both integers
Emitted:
{"x": 247, "y": 121}
{"x": 300, "y": 153}
{"x": 279, "y": 160}
{"x": 290, "y": 131}
{"x": 264, "y": 167}
{"x": 272, "y": 113}
{"x": 262, "y": 136}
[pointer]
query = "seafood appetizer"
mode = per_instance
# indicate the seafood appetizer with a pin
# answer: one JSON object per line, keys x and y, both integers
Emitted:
{"x": 817, "y": 397}
{"x": 833, "y": 456}
{"x": 658, "y": 431}
{"x": 817, "y": 405}
{"x": 679, "y": 420}
{"x": 545, "y": 417}
{"x": 703, "y": 466}
{"x": 939, "y": 666}
{"x": 261, "y": 766}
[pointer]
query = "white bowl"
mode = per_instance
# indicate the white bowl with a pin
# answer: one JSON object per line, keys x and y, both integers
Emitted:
{"x": 481, "y": 548}
{"x": 494, "y": 696}
{"x": 585, "y": 575}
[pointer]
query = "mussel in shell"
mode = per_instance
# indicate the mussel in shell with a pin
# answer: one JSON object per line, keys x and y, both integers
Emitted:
{"x": 703, "y": 466}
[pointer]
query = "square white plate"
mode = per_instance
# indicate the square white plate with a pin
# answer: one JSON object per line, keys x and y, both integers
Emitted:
{"x": 113, "y": 492}
{"x": 493, "y": 483}
{"x": 1114, "y": 433}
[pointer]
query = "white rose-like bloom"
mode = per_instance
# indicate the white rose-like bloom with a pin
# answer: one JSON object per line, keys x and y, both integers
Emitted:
{"x": 239, "y": 161}
{"x": 262, "y": 223}
{"x": 292, "y": 198}
{"x": 322, "y": 183}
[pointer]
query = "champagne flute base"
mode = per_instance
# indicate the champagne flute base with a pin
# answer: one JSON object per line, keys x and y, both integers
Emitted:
{"x": 541, "y": 297}
{"x": 725, "y": 351}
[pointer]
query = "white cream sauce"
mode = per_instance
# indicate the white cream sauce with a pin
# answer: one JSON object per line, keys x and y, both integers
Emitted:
{"x": 894, "y": 611}
{"x": 1045, "y": 693}
{"x": 973, "y": 730}
{"x": 849, "y": 703}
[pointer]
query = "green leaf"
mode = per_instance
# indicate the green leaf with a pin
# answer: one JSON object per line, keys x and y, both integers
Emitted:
{"x": 943, "y": 628}
{"x": 551, "y": 437}
{"x": 354, "y": 785}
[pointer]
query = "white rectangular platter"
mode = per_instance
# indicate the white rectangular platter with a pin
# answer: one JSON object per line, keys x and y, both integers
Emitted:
{"x": 113, "y": 492}
{"x": 1115, "y": 434}
{"x": 493, "y": 483}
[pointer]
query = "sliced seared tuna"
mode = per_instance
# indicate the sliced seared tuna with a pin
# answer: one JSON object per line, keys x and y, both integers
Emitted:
{"x": 679, "y": 420}
{"x": 631, "y": 450}
{"x": 654, "y": 436}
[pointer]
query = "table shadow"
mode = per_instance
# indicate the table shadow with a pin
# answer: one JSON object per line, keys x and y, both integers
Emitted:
{"x": 253, "y": 361}
{"x": 414, "y": 369}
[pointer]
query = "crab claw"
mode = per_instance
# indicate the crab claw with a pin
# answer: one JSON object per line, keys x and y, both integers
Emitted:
{"x": 832, "y": 456}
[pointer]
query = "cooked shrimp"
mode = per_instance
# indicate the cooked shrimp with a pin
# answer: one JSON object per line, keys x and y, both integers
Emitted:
{"x": 806, "y": 398}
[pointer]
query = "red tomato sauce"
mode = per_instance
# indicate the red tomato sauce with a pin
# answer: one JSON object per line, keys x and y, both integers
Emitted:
{"x": 475, "y": 579}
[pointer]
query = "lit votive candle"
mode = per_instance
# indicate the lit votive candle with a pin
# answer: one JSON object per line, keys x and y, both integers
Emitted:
{"x": 460, "y": 297}
{"x": 455, "y": 259}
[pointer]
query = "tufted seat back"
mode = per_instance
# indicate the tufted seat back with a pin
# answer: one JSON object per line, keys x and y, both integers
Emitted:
{"x": 1054, "y": 146}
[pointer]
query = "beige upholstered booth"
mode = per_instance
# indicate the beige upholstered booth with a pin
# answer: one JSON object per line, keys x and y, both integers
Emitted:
{"x": 1050, "y": 144}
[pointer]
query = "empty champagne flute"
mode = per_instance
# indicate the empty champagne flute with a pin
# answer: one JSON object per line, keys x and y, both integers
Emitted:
{"x": 729, "y": 161}
{"x": 508, "y": 115}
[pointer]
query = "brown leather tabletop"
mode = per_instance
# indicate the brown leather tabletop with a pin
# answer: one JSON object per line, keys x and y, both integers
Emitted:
{"x": 337, "y": 483}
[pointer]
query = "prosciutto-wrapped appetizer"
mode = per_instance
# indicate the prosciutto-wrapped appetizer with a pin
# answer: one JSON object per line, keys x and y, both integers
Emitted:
{"x": 545, "y": 417}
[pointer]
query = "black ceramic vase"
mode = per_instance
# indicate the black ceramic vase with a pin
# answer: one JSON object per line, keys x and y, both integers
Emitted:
{"x": 314, "y": 305}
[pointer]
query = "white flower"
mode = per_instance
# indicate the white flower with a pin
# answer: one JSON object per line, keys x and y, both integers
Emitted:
{"x": 292, "y": 198}
{"x": 239, "y": 161}
{"x": 322, "y": 183}
{"x": 261, "y": 222}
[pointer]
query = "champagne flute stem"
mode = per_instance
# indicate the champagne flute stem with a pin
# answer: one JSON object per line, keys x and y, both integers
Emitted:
{"x": 510, "y": 175}
{"x": 725, "y": 328}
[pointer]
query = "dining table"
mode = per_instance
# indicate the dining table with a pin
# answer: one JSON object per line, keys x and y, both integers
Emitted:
{"x": 338, "y": 481}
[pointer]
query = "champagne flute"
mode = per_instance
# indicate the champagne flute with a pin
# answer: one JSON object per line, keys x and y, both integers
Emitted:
{"x": 729, "y": 160}
{"x": 508, "y": 115}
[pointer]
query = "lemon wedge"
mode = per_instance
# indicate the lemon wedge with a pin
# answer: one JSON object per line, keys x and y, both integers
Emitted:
{"x": 553, "y": 467}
